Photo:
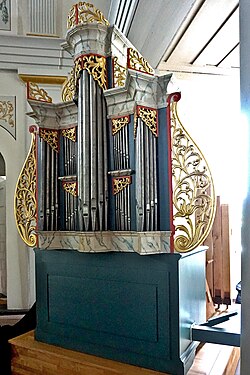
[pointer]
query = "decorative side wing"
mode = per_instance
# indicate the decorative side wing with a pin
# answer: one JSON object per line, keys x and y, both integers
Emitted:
{"x": 25, "y": 205}
{"x": 194, "y": 201}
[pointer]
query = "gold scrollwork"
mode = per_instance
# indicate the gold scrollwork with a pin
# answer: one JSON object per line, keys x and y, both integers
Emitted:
{"x": 85, "y": 13}
{"x": 51, "y": 137}
{"x": 120, "y": 183}
{"x": 193, "y": 190}
{"x": 70, "y": 133}
{"x": 120, "y": 73}
{"x": 150, "y": 118}
{"x": 72, "y": 17}
{"x": 137, "y": 62}
{"x": 88, "y": 13}
{"x": 118, "y": 123}
{"x": 68, "y": 90}
{"x": 25, "y": 205}
{"x": 95, "y": 65}
{"x": 7, "y": 112}
{"x": 70, "y": 187}
{"x": 35, "y": 93}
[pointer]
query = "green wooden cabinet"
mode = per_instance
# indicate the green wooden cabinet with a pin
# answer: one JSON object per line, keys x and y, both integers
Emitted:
{"x": 123, "y": 306}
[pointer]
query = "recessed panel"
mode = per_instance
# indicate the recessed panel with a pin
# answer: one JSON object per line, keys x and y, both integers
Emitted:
{"x": 119, "y": 308}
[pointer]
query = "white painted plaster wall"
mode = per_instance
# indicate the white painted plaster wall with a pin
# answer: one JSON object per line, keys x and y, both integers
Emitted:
{"x": 21, "y": 9}
{"x": 245, "y": 104}
{"x": 210, "y": 111}
{"x": 3, "y": 274}
{"x": 20, "y": 278}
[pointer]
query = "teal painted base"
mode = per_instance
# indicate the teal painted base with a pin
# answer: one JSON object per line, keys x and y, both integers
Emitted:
{"x": 125, "y": 307}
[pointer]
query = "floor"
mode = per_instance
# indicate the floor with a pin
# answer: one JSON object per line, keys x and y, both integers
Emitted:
{"x": 215, "y": 359}
{"x": 9, "y": 316}
{"x": 237, "y": 372}
{"x": 211, "y": 359}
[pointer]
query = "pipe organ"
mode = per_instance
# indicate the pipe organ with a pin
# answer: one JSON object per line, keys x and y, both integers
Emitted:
{"x": 103, "y": 167}
{"x": 103, "y": 162}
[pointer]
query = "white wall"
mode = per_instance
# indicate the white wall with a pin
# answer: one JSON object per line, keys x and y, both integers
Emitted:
{"x": 245, "y": 103}
{"x": 210, "y": 111}
{"x": 3, "y": 274}
{"x": 62, "y": 10}
{"x": 19, "y": 285}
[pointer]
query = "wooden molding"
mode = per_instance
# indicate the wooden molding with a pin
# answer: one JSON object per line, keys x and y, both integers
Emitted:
{"x": 52, "y": 80}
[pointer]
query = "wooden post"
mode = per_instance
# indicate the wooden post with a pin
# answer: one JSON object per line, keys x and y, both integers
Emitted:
{"x": 217, "y": 247}
{"x": 225, "y": 235}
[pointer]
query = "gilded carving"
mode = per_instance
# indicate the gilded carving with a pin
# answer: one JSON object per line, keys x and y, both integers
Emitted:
{"x": 150, "y": 118}
{"x": 70, "y": 134}
{"x": 72, "y": 17}
{"x": 118, "y": 123}
{"x": 120, "y": 183}
{"x": 83, "y": 12}
{"x": 70, "y": 187}
{"x": 120, "y": 73}
{"x": 7, "y": 112}
{"x": 193, "y": 190}
{"x": 95, "y": 65}
{"x": 137, "y": 62}
{"x": 88, "y": 13}
{"x": 51, "y": 137}
{"x": 68, "y": 90}
{"x": 25, "y": 204}
{"x": 36, "y": 93}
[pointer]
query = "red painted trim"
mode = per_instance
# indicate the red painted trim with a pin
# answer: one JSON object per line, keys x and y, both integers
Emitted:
{"x": 28, "y": 90}
{"x": 117, "y": 117}
{"x": 128, "y": 59}
{"x": 140, "y": 71}
{"x": 113, "y": 71}
{"x": 77, "y": 17}
{"x": 136, "y": 70}
{"x": 174, "y": 97}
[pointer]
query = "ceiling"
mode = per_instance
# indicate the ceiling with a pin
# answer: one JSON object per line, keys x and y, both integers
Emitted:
{"x": 200, "y": 36}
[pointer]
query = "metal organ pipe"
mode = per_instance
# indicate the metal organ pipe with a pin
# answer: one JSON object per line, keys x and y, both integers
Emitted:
{"x": 41, "y": 183}
{"x": 56, "y": 192}
{"x": 100, "y": 157}
{"x": 92, "y": 162}
{"x": 47, "y": 182}
{"x": 105, "y": 162}
{"x": 152, "y": 192}
{"x": 52, "y": 189}
{"x": 155, "y": 184}
{"x": 83, "y": 139}
{"x": 146, "y": 179}
{"x": 93, "y": 151}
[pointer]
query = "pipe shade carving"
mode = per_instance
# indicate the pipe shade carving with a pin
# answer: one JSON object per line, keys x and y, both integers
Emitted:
{"x": 82, "y": 13}
{"x": 194, "y": 201}
{"x": 25, "y": 204}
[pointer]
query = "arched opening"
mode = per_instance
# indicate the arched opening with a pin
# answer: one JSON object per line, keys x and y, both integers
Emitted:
{"x": 3, "y": 275}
